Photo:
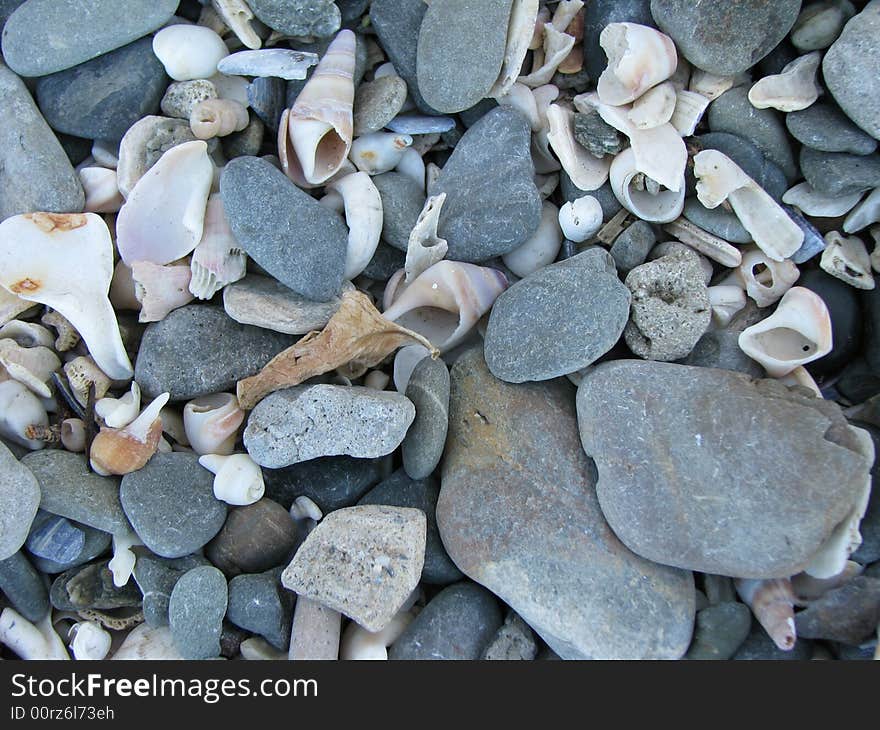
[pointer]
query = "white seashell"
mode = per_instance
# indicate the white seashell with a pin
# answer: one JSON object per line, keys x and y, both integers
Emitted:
{"x": 83, "y": 372}
{"x": 704, "y": 242}
{"x": 106, "y": 153}
{"x": 122, "y": 292}
{"x": 31, "y": 366}
{"x": 689, "y": 110}
{"x": 586, "y": 171}
{"x": 546, "y": 184}
{"x": 358, "y": 644}
{"x": 521, "y": 98}
{"x": 238, "y": 16}
{"x": 630, "y": 188}
{"x": 122, "y": 451}
{"x": 217, "y": 118}
{"x": 565, "y": 13}
{"x": 542, "y": 158}
{"x": 379, "y": 152}
{"x": 73, "y": 435}
{"x": 639, "y": 58}
{"x": 520, "y": 30}
{"x": 719, "y": 178}
{"x": 813, "y": 202}
{"x": 121, "y": 565}
{"x": 581, "y": 219}
{"x": 238, "y": 479}
{"x": 798, "y": 332}
{"x": 801, "y": 376}
{"x": 315, "y": 134}
{"x": 257, "y": 648}
{"x": 189, "y": 51}
{"x": 160, "y": 289}
{"x": 413, "y": 166}
{"x": 682, "y": 75}
{"x": 280, "y": 63}
{"x": 405, "y": 362}
{"x": 11, "y": 305}
{"x": 864, "y": 214}
{"x": 772, "y": 602}
{"x": 767, "y": 280}
{"x": 172, "y": 424}
{"x": 65, "y": 261}
{"x": 791, "y": 90}
{"x": 234, "y": 88}
{"x": 725, "y": 302}
{"x": 102, "y": 193}
{"x": 119, "y": 412}
{"x": 211, "y": 423}
{"x": 217, "y": 260}
{"x": 654, "y": 107}
{"x": 377, "y": 380}
{"x": 148, "y": 642}
{"x": 425, "y": 247}
{"x": 541, "y": 249}
{"x": 304, "y": 508}
{"x": 557, "y": 46}
{"x": 846, "y": 258}
{"x": 711, "y": 85}
{"x": 89, "y": 641}
{"x": 20, "y": 408}
{"x": 26, "y": 334}
{"x": 363, "y": 216}
{"x": 31, "y": 641}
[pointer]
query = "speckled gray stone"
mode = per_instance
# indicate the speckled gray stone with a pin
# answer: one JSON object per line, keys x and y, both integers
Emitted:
{"x": 24, "y": 587}
{"x": 719, "y": 631}
{"x": 428, "y": 389}
{"x": 197, "y": 350}
{"x": 259, "y": 604}
{"x": 19, "y": 501}
{"x": 717, "y": 221}
{"x": 331, "y": 482}
{"x": 631, "y": 248}
{"x": 181, "y": 96}
{"x": 596, "y": 135}
{"x": 156, "y": 577}
{"x": 514, "y": 641}
{"x": 294, "y": 238}
{"x": 320, "y": 18}
{"x": 44, "y": 36}
{"x": 848, "y": 614}
{"x": 838, "y": 173}
{"x": 55, "y": 538}
{"x": 402, "y": 202}
{"x": 719, "y": 348}
{"x": 195, "y": 612}
{"x": 377, "y": 102}
{"x": 307, "y": 421}
{"x": 826, "y": 128}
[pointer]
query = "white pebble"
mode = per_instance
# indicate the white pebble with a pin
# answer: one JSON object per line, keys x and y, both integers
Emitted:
{"x": 189, "y": 51}
{"x": 582, "y": 219}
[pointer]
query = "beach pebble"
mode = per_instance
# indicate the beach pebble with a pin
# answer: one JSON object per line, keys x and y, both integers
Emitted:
{"x": 750, "y": 158}
{"x": 708, "y": 509}
{"x": 599, "y": 13}
{"x": 492, "y": 204}
{"x": 144, "y": 143}
{"x": 188, "y": 52}
{"x": 820, "y": 24}
{"x": 308, "y": 421}
{"x": 35, "y": 172}
{"x": 171, "y": 504}
{"x": 330, "y": 482}
{"x": 839, "y": 173}
{"x": 846, "y": 319}
{"x": 197, "y": 350}
{"x": 316, "y": 631}
{"x": 19, "y": 500}
{"x": 195, "y": 612}
{"x": 719, "y": 348}
{"x": 295, "y": 239}
{"x": 258, "y": 603}
{"x": 719, "y": 222}
{"x": 377, "y": 102}
{"x": 181, "y": 96}
{"x": 513, "y": 641}
{"x": 428, "y": 389}
{"x": 45, "y": 36}
{"x": 850, "y": 69}
{"x": 631, "y": 248}
{"x": 91, "y": 587}
{"x": 24, "y": 587}
{"x": 55, "y": 538}
{"x": 597, "y": 136}
{"x": 319, "y": 18}
{"x": 402, "y": 202}
{"x": 824, "y": 127}
{"x": 518, "y": 514}
{"x": 399, "y": 490}
{"x": 849, "y": 614}
{"x": 361, "y": 561}
{"x": 386, "y": 260}
{"x": 94, "y": 544}
{"x": 267, "y": 97}
{"x": 719, "y": 631}
{"x": 156, "y": 577}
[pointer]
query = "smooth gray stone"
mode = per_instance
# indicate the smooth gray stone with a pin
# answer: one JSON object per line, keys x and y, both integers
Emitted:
{"x": 457, "y": 624}
{"x": 95, "y": 544}
{"x": 70, "y": 489}
{"x": 531, "y": 337}
{"x": 92, "y": 587}
{"x": 428, "y": 389}
{"x": 24, "y": 587}
{"x": 320, "y": 18}
{"x": 259, "y": 604}
{"x": 352, "y": 9}
{"x": 45, "y": 36}
{"x": 19, "y": 501}
{"x": 386, "y": 260}
{"x": 758, "y": 646}
{"x": 599, "y": 13}
{"x": 514, "y": 641}
{"x": 747, "y": 155}
{"x": 55, "y": 538}
{"x": 246, "y": 143}
{"x": 826, "y": 128}
{"x": 267, "y": 96}
{"x": 171, "y": 504}
{"x": 596, "y": 135}
{"x": 377, "y": 102}
{"x": 76, "y": 148}
{"x": 668, "y": 441}
{"x": 492, "y": 204}
{"x": 725, "y": 38}
{"x": 294, "y": 238}
{"x": 848, "y": 614}
{"x": 732, "y": 112}
{"x": 838, "y": 173}
{"x": 717, "y": 221}
{"x": 195, "y": 612}
{"x": 605, "y": 195}
{"x": 35, "y": 172}
{"x": 156, "y": 577}
{"x": 719, "y": 348}
{"x": 197, "y": 350}
{"x": 719, "y": 631}
{"x": 402, "y": 202}
{"x": 869, "y": 527}
{"x": 850, "y": 69}
{"x": 399, "y": 490}
{"x": 518, "y": 513}
{"x": 460, "y": 50}
{"x": 6, "y": 9}
{"x": 820, "y": 24}
{"x": 331, "y": 482}
{"x": 102, "y": 98}
{"x": 631, "y": 248}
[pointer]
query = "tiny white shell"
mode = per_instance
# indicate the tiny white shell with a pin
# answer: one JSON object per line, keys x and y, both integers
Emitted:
{"x": 238, "y": 479}
{"x": 90, "y": 641}
{"x": 541, "y": 249}
{"x": 766, "y": 280}
{"x": 581, "y": 219}
{"x": 379, "y": 152}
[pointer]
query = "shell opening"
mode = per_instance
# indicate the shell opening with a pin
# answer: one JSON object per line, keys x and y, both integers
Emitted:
{"x": 784, "y": 343}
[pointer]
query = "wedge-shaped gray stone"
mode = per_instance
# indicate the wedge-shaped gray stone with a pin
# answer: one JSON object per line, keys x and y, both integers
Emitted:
{"x": 195, "y": 612}
{"x": 19, "y": 501}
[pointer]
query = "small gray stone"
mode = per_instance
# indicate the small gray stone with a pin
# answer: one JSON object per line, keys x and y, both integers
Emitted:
{"x": 361, "y": 561}
{"x": 838, "y": 173}
{"x": 457, "y": 624}
{"x": 599, "y": 13}
{"x": 258, "y": 603}
{"x": 24, "y": 587}
{"x": 267, "y": 96}
{"x": 826, "y": 128}
{"x": 760, "y": 647}
{"x": 849, "y": 614}
{"x": 181, "y": 96}
{"x": 749, "y": 157}
{"x": 246, "y": 143}
{"x": 719, "y": 348}
{"x": 19, "y": 501}
{"x": 719, "y": 631}
{"x": 294, "y": 238}
{"x": 55, "y": 538}
{"x": 492, "y": 204}
{"x": 307, "y": 421}
{"x": 605, "y": 195}
{"x": 95, "y": 544}
{"x": 156, "y": 577}
{"x": 513, "y": 641}
{"x": 631, "y": 248}
{"x": 428, "y": 389}
{"x": 320, "y": 18}
{"x": 531, "y": 337}
{"x": 197, "y": 350}
{"x": 402, "y": 202}
{"x": 195, "y": 612}
{"x": 386, "y": 260}
{"x": 820, "y": 24}
{"x": 44, "y": 36}
{"x": 717, "y": 221}
{"x": 377, "y": 102}
{"x": 171, "y": 504}
{"x": 330, "y": 482}
{"x": 92, "y": 587}
{"x": 144, "y": 143}
{"x": 597, "y": 136}
{"x": 35, "y": 173}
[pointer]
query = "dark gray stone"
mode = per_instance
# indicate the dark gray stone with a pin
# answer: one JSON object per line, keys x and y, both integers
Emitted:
{"x": 596, "y": 135}
{"x": 352, "y": 9}
{"x": 19, "y": 501}
{"x": 95, "y": 544}
{"x": 267, "y": 96}
{"x": 171, "y": 504}
{"x": 331, "y": 482}
{"x": 813, "y": 243}
{"x": 6, "y": 9}
{"x": 749, "y": 157}
{"x": 258, "y": 603}
{"x": 847, "y": 316}
{"x": 195, "y": 612}
{"x": 156, "y": 577}
{"x": 717, "y": 221}
{"x": 386, "y": 260}
{"x": 598, "y": 14}
{"x": 839, "y": 173}
{"x": 719, "y": 348}
{"x": 848, "y": 614}
{"x": 719, "y": 631}
{"x": 428, "y": 389}
{"x": 320, "y": 18}
{"x": 55, "y": 538}
{"x": 631, "y": 248}
{"x": 24, "y": 587}
{"x": 869, "y": 550}
{"x": 91, "y": 587}
{"x": 826, "y": 128}
{"x": 402, "y": 202}
{"x": 514, "y": 641}
{"x": 198, "y": 350}
{"x": 760, "y": 647}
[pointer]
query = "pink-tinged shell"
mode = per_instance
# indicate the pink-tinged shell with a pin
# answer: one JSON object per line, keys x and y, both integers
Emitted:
{"x": 160, "y": 289}
{"x": 218, "y": 260}
{"x": 639, "y": 58}
{"x": 102, "y": 192}
{"x": 212, "y": 423}
{"x": 772, "y": 602}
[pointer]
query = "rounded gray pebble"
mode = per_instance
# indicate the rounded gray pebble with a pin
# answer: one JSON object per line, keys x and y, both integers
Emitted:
{"x": 826, "y": 128}
{"x": 428, "y": 389}
{"x": 195, "y": 612}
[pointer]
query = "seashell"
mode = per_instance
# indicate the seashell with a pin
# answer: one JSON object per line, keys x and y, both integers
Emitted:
{"x": 581, "y": 219}
{"x": 211, "y": 423}
{"x": 234, "y": 88}
{"x": 445, "y": 302}
{"x": 119, "y": 412}
{"x": 847, "y": 259}
{"x": 715, "y": 248}
{"x": 405, "y": 362}
{"x": 630, "y": 187}
{"x": 26, "y": 334}
{"x": 655, "y": 107}
{"x": 565, "y": 15}
{"x": 172, "y": 424}
{"x": 542, "y": 158}
{"x": 379, "y": 152}
{"x": 31, "y": 366}
{"x": 102, "y": 193}
{"x": 238, "y": 479}
{"x": 217, "y": 260}
{"x": 315, "y": 134}
{"x": 363, "y": 216}
{"x": 725, "y": 301}
{"x": 82, "y": 373}
{"x": 31, "y": 641}
{"x": 425, "y": 247}
{"x": 377, "y": 380}
{"x": 712, "y": 85}
{"x": 413, "y": 166}
{"x": 546, "y": 184}
{"x": 189, "y": 51}
{"x": 238, "y": 16}
{"x": 73, "y": 435}
{"x": 682, "y": 75}
{"x": 719, "y": 178}
{"x": 813, "y": 202}
{"x": 541, "y": 249}
{"x": 521, "y": 98}
{"x": 122, "y": 293}
{"x": 574, "y": 61}
{"x": 65, "y": 261}
{"x": 586, "y": 171}
{"x": 689, "y": 110}
{"x": 766, "y": 280}
{"x": 148, "y": 642}
{"x": 556, "y": 48}
{"x": 358, "y": 644}
{"x": 520, "y": 30}
{"x": 11, "y": 305}
{"x": 772, "y": 602}
{"x": 217, "y": 118}
{"x": 415, "y": 124}
{"x": 20, "y": 408}
{"x": 639, "y": 58}
{"x": 122, "y": 451}
{"x": 304, "y": 508}
{"x": 160, "y": 289}
{"x": 257, "y": 648}
{"x": 89, "y": 641}
{"x": 791, "y": 90}
{"x": 864, "y": 214}
{"x": 801, "y": 376}
{"x": 106, "y": 153}
{"x": 279, "y": 63}
{"x": 798, "y": 332}
{"x": 807, "y": 588}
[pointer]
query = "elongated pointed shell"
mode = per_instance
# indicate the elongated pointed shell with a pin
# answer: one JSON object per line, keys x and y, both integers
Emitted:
{"x": 363, "y": 216}
{"x": 639, "y": 57}
{"x": 238, "y": 478}
{"x": 772, "y": 602}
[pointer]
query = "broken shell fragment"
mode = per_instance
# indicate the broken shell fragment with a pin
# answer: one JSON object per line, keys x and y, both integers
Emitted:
{"x": 160, "y": 289}
{"x": 581, "y": 219}
{"x": 73, "y": 435}
{"x": 83, "y": 374}
{"x": 557, "y": 47}
{"x": 122, "y": 451}
{"x": 586, "y": 171}
{"x": 725, "y": 301}
{"x": 31, "y": 641}
{"x": 704, "y": 242}
{"x": 211, "y": 423}
{"x": 238, "y": 16}
{"x": 89, "y": 641}
{"x": 816, "y": 203}
{"x": 217, "y": 260}
{"x": 379, "y": 152}
{"x": 632, "y": 189}
{"x": 102, "y": 192}
{"x": 541, "y": 249}
{"x": 31, "y": 366}
{"x": 238, "y": 479}
{"x": 847, "y": 259}
{"x": 655, "y": 107}
{"x": 520, "y": 30}
{"x": 772, "y": 602}
{"x": 26, "y": 334}
{"x": 279, "y": 63}
{"x": 864, "y": 214}
{"x": 19, "y": 409}
{"x": 767, "y": 280}
{"x": 217, "y": 118}
{"x": 639, "y": 58}
{"x": 425, "y": 247}
{"x": 363, "y": 216}
{"x": 119, "y": 412}
{"x": 689, "y": 110}
{"x": 791, "y": 90}
{"x": 189, "y": 51}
